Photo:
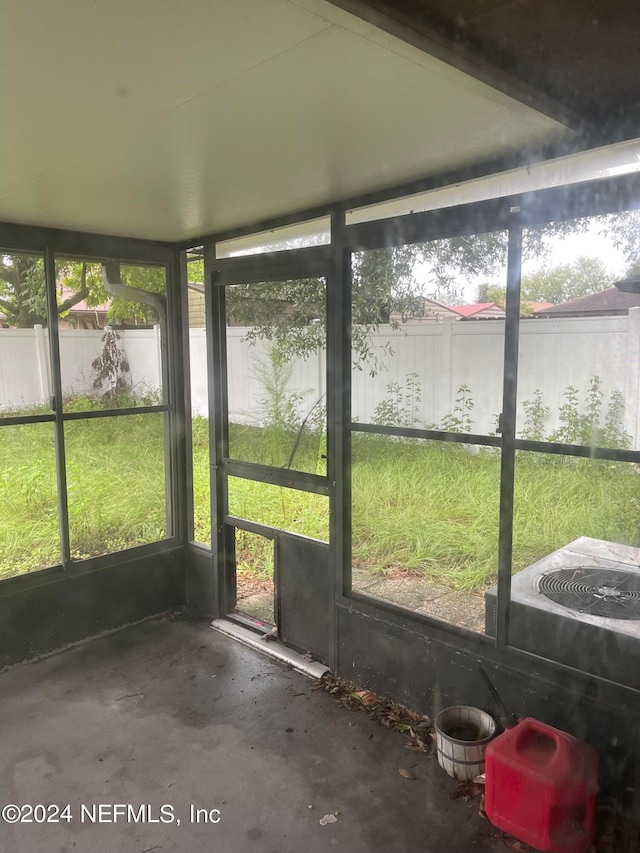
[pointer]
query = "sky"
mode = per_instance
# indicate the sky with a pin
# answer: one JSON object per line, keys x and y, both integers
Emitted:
{"x": 591, "y": 245}
{"x": 562, "y": 251}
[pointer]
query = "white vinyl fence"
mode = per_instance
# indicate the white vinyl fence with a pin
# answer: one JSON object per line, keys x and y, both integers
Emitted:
{"x": 25, "y": 371}
{"x": 553, "y": 355}
{"x": 439, "y": 358}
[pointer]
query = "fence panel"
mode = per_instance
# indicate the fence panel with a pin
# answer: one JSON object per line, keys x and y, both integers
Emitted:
{"x": 445, "y": 355}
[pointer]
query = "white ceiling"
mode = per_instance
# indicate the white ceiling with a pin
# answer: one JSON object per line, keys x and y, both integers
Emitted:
{"x": 170, "y": 119}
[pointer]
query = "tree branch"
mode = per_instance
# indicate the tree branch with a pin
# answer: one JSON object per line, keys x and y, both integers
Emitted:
{"x": 78, "y": 296}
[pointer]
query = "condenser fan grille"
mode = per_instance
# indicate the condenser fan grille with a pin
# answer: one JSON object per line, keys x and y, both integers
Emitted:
{"x": 613, "y": 593}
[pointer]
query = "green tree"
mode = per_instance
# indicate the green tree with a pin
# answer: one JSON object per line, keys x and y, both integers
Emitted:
{"x": 491, "y": 292}
{"x": 583, "y": 276}
{"x": 389, "y": 286}
{"x": 554, "y": 284}
{"x": 567, "y": 281}
{"x": 84, "y": 280}
{"x": 23, "y": 297}
{"x": 633, "y": 270}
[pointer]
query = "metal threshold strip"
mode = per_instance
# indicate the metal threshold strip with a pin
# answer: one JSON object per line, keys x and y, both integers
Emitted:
{"x": 273, "y": 650}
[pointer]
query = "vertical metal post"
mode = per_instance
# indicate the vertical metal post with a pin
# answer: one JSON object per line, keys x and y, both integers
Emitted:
{"x": 56, "y": 405}
{"x": 221, "y": 537}
{"x": 339, "y": 415}
{"x": 509, "y": 413}
{"x": 173, "y": 381}
{"x": 183, "y": 401}
{"x": 168, "y": 419}
{"x": 43, "y": 365}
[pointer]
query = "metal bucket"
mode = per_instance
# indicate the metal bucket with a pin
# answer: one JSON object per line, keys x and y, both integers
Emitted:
{"x": 462, "y": 735}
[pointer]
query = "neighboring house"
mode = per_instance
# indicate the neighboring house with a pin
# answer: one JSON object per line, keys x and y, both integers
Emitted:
{"x": 196, "y": 305}
{"x": 80, "y": 315}
{"x": 480, "y": 311}
{"x": 431, "y": 310}
{"x": 607, "y": 302}
{"x": 534, "y": 307}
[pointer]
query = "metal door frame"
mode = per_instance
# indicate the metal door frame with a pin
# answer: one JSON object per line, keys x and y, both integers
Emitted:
{"x": 293, "y": 264}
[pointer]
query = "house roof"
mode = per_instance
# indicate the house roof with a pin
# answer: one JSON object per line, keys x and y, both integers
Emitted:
{"x": 433, "y": 306}
{"x": 477, "y": 308}
{"x": 81, "y": 306}
{"x": 538, "y": 306}
{"x": 611, "y": 301}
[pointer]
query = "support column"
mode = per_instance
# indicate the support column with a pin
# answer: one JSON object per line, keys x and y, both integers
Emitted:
{"x": 158, "y": 340}
{"x": 445, "y": 401}
{"x": 632, "y": 378}
{"x": 44, "y": 374}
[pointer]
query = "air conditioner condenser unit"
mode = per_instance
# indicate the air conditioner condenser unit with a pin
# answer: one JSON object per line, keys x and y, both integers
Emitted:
{"x": 579, "y": 606}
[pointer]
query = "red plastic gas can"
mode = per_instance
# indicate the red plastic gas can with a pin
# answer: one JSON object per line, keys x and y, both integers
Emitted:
{"x": 541, "y": 786}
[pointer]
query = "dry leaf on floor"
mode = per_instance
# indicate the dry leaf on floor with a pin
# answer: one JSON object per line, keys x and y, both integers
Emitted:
{"x": 417, "y": 728}
{"x": 413, "y": 716}
{"x": 481, "y": 810}
{"x": 367, "y": 698}
{"x": 406, "y": 773}
{"x": 467, "y": 791}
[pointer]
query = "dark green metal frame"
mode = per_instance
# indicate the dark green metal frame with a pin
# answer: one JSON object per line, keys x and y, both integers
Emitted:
{"x": 380, "y": 644}
{"x": 86, "y": 590}
{"x": 512, "y": 214}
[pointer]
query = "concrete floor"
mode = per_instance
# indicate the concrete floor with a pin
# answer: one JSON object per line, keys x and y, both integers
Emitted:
{"x": 172, "y": 713}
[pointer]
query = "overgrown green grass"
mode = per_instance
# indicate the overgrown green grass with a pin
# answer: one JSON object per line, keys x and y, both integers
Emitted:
{"x": 421, "y": 505}
{"x": 434, "y": 507}
{"x": 29, "y": 536}
{"x": 115, "y": 483}
{"x": 425, "y": 506}
{"x": 298, "y": 512}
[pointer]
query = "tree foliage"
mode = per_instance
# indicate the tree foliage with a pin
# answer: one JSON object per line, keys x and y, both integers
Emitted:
{"x": 22, "y": 294}
{"x": 390, "y": 285}
{"x": 23, "y": 297}
{"x": 567, "y": 281}
{"x": 584, "y": 275}
{"x": 491, "y": 292}
{"x": 555, "y": 284}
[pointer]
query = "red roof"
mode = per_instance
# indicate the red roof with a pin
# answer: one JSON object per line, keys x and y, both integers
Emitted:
{"x": 470, "y": 310}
